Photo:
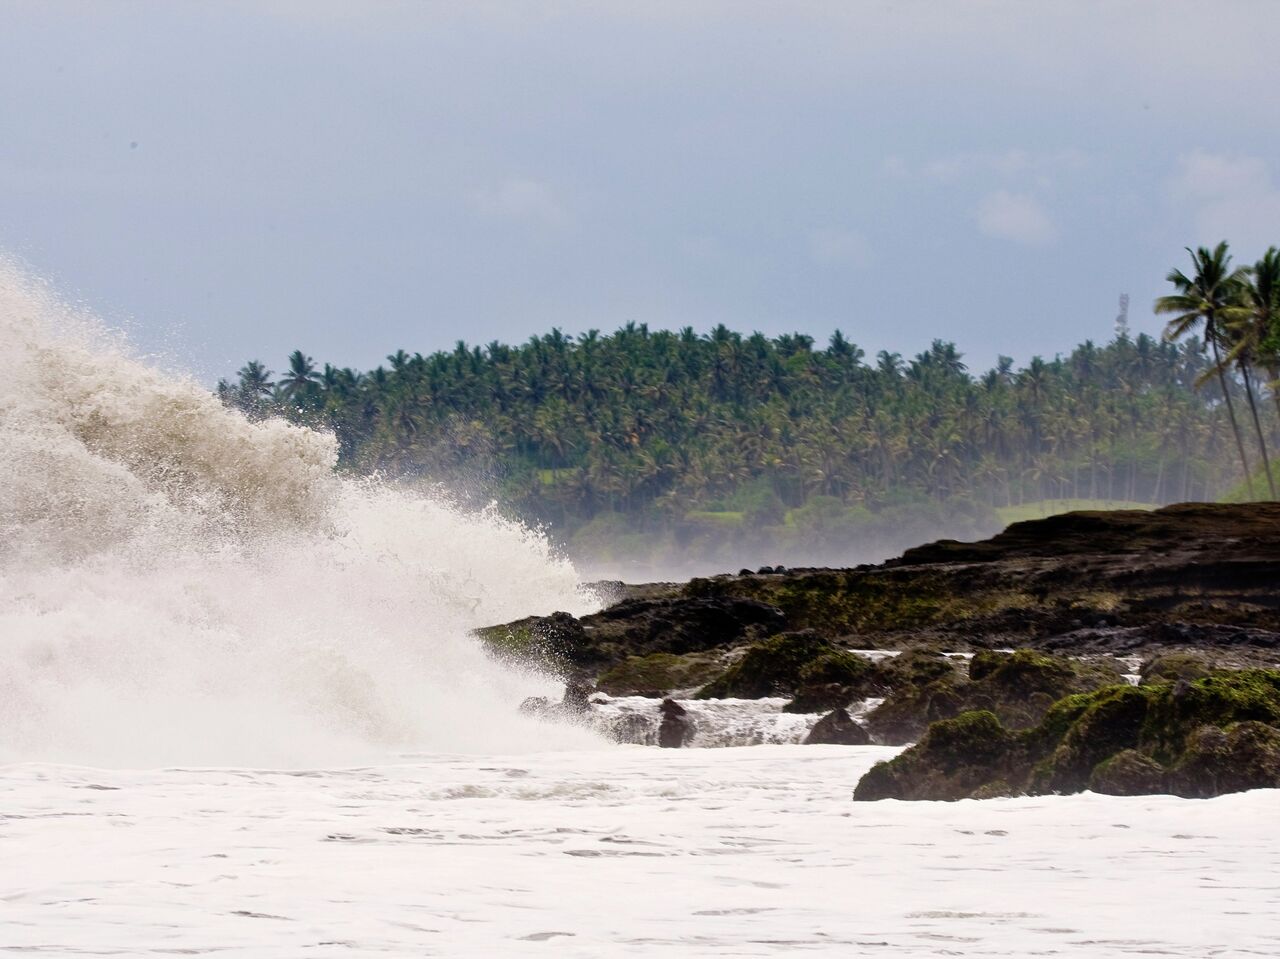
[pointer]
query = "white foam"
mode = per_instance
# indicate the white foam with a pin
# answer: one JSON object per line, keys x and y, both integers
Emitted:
{"x": 756, "y": 851}
{"x": 180, "y": 585}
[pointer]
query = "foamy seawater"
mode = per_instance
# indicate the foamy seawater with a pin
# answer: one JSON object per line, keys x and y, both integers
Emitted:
{"x": 179, "y": 585}
{"x": 754, "y": 851}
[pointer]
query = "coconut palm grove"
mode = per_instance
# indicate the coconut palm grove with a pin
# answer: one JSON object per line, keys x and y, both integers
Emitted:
{"x": 639, "y": 442}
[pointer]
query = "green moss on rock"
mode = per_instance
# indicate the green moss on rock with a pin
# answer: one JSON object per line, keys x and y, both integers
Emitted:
{"x": 955, "y": 758}
{"x": 658, "y": 674}
{"x": 1128, "y": 773}
{"x": 783, "y": 664}
{"x": 1169, "y": 667}
{"x": 1204, "y": 738}
{"x": 1018, "y": 687}
{"x": 1216, "y": 761}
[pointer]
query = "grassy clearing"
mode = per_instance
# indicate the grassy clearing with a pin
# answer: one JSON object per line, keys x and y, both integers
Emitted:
{"x": 1052, "y": 507}
{"x": 730, "y": 518}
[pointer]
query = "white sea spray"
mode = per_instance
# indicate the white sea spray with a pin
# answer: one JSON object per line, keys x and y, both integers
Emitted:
{"x": 181, "y": 585}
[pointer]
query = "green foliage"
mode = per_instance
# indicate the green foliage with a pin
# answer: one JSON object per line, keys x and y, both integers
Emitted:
{"x": 670, "y": 436}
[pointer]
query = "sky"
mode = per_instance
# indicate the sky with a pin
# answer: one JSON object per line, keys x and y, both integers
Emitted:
{"x": 237, "y": 180}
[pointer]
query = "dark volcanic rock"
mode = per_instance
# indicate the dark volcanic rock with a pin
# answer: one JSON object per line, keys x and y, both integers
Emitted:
{"x": 658, "y": 674}
{"x": 1203, "y": 738}
{"x": 955, "y": 758}
{"x": 1167, "y": 667}
{"x": 1185, "y": 527}
{"x": 676, "y": 729}
{"x": 1018, "y": 688}
{"x": 577, "y": 697}
{"x": 1199, "y": 577}
{"x": 819, "y": 697}
{"x": 837, "y": 728}
{"x": 1183, "y": 575}
{"x": 1217, "y": 761}
{"x": 786, "y": 663}
{"x": 1128, "y": 773}
{"x": 1216, "y": 637}
{"x": 635, "y": 627}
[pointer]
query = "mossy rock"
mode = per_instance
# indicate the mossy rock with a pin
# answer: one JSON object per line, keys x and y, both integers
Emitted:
{"x": 1221, "y": 699}
{"x": 905, "y": 715}
{"x": 999, "y": 789}
{"x": 1217, "y": 761}
{"x": 1215, "y": 735}
{"x": 837, "y": 728}
{"x": 783, "y": 664}
{"x": 831, "y": 681}
{"x": 658, "y": 674}
{"x": 1018, "y": 687}
{"x": 1169, "y": 667}
{"x": 955, "y": 758}
{"x": 916, "y": 667}
{"x": 1111, "y": 722}
{"x": 547, "y": 641}
{"x": 1128, "y": 773}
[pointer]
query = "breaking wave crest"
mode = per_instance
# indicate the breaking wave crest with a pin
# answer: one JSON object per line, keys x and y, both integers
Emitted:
{"x": 179, "y": 585}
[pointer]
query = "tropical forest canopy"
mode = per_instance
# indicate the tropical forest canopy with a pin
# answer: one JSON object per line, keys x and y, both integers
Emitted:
{"x": 640, "y": 445}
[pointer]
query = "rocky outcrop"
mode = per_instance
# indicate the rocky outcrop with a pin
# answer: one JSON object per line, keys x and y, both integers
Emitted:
{"x": 1203, "y": 738}
{"x": 788, "y": 663}
{"x": 1193, "y": 576}
{"x": 837, "y": 728}
{"x": 660, "y": 674}
{"x": 1018, "y": 688}
{"x": 676, "y": 728}
{"x": 1190, "y": 589}
{"x": 635, "y": 628}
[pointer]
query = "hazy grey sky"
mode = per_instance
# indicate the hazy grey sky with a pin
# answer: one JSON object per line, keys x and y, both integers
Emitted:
{"x": 234, "y": 180}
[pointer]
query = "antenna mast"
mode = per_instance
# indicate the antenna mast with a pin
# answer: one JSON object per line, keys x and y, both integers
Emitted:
{"x": 1122, "y": 321}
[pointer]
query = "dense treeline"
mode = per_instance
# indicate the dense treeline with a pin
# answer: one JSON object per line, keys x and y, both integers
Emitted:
{"x": 642, "y": 437}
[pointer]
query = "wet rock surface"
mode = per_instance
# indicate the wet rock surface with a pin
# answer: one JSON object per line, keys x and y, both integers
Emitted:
{"x": 1019, "y": 688}
{"x": 1196, "y": 739}
{"x": 1049, "y": 614}
{"x": 1198, "y": 576}
{"x": 676, "y": 729}
{"x": 837, "y": 728}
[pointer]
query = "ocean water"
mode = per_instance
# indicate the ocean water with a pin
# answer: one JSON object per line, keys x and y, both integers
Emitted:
{"x": 627, "y": 851}
{"x": 240, "y": 713}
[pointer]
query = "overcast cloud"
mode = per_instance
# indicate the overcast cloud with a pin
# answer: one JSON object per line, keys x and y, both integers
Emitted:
{"x": 235, "y": 180}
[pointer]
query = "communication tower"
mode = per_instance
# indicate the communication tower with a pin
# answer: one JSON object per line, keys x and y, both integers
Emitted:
{"x": 1122, "y": 321}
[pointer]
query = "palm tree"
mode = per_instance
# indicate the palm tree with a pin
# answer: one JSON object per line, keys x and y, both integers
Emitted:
{"x": 1204, "y": 297}
{"x": 1243, "y": 329}
{"x": 255, "y": 379}
{"x": 300, "y": 382}
{"x": 1260, "y": 325}
{"x": 1247, "y": 325}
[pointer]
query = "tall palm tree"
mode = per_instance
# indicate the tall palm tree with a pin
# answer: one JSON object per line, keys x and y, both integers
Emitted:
{"x": 1260, "y": 324}
{"x": 300, "y": 382}
{"x": 1252, "y": 326}
{"x": 255, "y": 379}
{"x": 1204, "y": 296}
{"x": 1246, "y": 326}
